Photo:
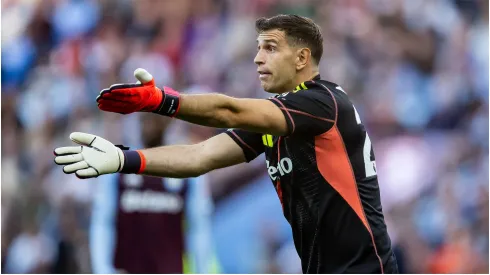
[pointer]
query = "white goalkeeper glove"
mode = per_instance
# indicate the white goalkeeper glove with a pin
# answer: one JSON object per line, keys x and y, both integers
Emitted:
{"x": 94, "y": 157}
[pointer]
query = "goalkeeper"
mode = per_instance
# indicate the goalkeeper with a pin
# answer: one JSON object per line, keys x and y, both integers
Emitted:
{"x": 318, "y": 154}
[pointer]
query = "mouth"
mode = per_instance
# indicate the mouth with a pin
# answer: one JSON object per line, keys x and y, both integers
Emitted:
{"x": 263, "y": 74}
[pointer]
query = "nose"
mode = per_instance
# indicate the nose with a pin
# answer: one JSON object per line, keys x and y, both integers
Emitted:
{"x": 259, "y": 58}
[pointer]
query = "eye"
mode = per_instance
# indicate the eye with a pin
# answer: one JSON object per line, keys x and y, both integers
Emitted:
{"x": 271, "y": 48}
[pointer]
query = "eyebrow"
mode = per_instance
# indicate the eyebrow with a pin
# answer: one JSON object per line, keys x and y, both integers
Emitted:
{"x": 269, "y": 41}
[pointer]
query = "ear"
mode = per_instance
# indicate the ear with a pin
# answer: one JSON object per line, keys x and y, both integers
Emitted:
{"x": 303, "y": 56}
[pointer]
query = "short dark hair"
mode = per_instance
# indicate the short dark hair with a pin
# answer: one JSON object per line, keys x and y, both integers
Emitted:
{"x": 299, "y": 30}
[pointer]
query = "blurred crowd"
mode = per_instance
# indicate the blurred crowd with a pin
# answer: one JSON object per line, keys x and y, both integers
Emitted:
{"x": 417, "y": 71}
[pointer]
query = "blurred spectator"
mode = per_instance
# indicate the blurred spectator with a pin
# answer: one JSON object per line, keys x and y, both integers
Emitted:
{"x": 144, "y": 224}
{"x": 31, "y": 251}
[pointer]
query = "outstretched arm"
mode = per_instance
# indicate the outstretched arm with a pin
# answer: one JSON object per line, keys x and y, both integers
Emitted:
{"x": 215, "y": 110}
{"x": 96, "y": 156}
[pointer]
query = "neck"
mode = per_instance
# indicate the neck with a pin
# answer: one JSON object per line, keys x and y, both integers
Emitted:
{"x": 303, "y": 76}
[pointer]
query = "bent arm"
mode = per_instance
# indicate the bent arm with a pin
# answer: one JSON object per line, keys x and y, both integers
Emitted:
{"x": 221, "y": 111}
{"x": 184, "y": 161}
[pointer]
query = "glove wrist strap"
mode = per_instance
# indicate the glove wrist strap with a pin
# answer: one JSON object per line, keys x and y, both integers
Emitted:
{"x": 134, "y": 162}
{"x": 170, "y": 104}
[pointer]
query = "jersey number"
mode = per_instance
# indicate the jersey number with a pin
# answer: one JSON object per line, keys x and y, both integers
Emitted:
{"x": 369, "y": 165}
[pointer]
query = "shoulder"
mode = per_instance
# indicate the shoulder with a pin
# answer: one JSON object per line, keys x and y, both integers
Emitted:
{"x": 328, "y": 92}
{"x": 322, "y": 86}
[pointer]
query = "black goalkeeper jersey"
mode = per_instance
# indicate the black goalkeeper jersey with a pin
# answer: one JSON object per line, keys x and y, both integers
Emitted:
{"x": 324, "y": 173}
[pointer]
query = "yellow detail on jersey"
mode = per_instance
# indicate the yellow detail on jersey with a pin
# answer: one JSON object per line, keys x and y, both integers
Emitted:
{"x": 301, "y": 86}
{"x": 267, "y": 140}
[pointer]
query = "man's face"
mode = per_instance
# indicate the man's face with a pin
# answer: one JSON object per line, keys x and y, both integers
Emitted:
{"x": 276, "y": 61}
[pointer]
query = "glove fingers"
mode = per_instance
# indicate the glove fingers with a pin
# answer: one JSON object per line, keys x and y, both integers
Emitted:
{"x": 118, "y": 106}
{"x": 120, "y": 89}
{"x": 123, "y": 99}
{"x": 87, "y": 173}
{"x": 67, "y": 150}
{"x": 123, "y": 86}
{"x": 75, "y": 167}
{"x": 68, "y": 159}
{"x": 82, "y": 138}
{"x": 121, "y": 93}
{"x": 102, "y": 93}
{"x": 116, "y": 109}
{"x": 118, "y": 95}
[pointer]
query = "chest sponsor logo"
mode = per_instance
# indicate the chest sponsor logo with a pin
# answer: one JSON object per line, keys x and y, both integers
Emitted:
{"x": 285, "y": 166}
{"x": 151, "y": 202}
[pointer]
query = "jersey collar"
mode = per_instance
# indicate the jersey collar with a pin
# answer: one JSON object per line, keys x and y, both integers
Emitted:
{"x": 304, "y": 86}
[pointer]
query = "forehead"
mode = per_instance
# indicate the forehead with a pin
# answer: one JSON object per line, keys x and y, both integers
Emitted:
{"x": 275, "y": 36}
